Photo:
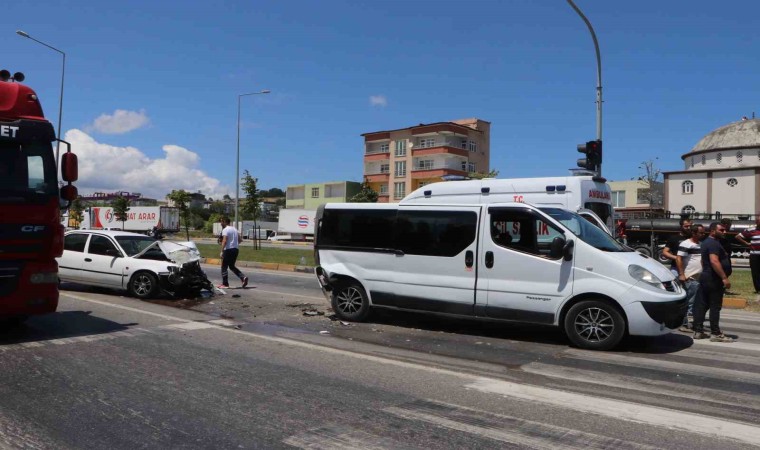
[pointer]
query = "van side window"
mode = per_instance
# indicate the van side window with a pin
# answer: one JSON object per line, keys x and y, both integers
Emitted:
{"x": 357, "y": 228}
{"x": 522, "y": 230}
{"x": 435, "y": 233}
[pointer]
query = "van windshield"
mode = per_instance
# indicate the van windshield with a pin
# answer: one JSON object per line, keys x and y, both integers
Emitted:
{"x": 585, "y": 230}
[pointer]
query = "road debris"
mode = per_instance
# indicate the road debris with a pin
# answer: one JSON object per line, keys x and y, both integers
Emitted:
{"x": 312, "y": 312}
{"x": 324, "y": 332}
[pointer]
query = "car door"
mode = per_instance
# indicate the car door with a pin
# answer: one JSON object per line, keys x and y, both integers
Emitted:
{"x": 435, "y": 267}
{"x": 70, "y": 262}
{"x": 521, "y": 279}
{"x": 103, "y": 263}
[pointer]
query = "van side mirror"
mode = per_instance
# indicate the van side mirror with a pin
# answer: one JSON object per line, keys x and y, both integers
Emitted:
{"x": 568, "y": 250}
{"x": 557, "y": 247}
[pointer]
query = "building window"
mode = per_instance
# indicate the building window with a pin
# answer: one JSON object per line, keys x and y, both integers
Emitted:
{"x": 618, "y": 199}
{"x": 688, "y": 210}
{"x": 385, "y": 168}
{"x": 719, "y": 158}
{"x": 425, "y": 164}
{"x": 399, "y": 190}
{"x": 383, "y": 189}
{"x": 704, "y": 160}
{"x": 687, "y": 187}
{"x": 739, "y": 156}
{"x": 427, "y": 142}
{"x": 468, "y": 167}
{"x": 315, "y": 192}
{"x": 400, "y": 169}
{"x": 400, "y": 148}
{"x": 464, "y": 145}
{"x": 422, "y": 183}
{"x": 384, "y": 148}
{"x": 472, "y": 146}
{"x": 732, "y": 182}
{"x": 692, "y": 161}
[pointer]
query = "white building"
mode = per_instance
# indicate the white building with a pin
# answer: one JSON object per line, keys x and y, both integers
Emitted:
{"x": 721, "y": 174}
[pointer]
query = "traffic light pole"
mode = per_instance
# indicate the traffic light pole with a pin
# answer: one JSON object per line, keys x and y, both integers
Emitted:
{"x": 598, "y": 78}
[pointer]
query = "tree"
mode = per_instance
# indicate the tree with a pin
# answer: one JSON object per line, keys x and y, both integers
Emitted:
{"x": 252, "y": 206}
{"x": 120, "y": 207}
{"x": 227, "y": 197}
{"x": 651, "y": 190}
{"x": 181, "y": 200}
{"x": 76, "y": 211}
{"x": 274, "y": 192}
{"x": 479, "y": 176}
{"x": 366, "y": 194}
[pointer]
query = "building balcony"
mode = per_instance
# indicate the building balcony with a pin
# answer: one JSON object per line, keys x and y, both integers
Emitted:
{"x": 377, "y": 155}
{"x": 439, "y": 150}
{"x": 433, "y": 172}
{"x": 377, "y": 177}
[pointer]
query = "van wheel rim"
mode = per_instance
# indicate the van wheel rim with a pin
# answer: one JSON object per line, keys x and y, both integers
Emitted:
{"x": 594, "y": 324}
{"x": 142, "y": 285}
{"x": 350, "y": 300}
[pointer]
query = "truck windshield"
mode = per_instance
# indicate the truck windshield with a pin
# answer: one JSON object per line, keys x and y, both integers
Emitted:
{"x": 27, "y": 172}
{"x": 585, "y": 230}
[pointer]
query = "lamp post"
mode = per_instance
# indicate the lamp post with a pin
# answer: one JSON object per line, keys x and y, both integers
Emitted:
{"x": 598, "y": 77}
{"x": 237, "y": 162}
{"x": 60, "y": 101}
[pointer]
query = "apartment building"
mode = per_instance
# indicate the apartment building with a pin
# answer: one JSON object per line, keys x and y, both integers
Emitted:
{"x": 311, "y": 196}
{"x": 396, "y": 162}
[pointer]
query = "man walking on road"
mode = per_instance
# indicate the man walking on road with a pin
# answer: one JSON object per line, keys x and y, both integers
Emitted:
{"x": 751, "y": 238}
{"x": 230, "y": 242}
{"x": 716, "y": 268}
{"x": 689, "y": 267}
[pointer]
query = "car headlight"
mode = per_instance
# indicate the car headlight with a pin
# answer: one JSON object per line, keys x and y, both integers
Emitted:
{"x": 641, "y": 274}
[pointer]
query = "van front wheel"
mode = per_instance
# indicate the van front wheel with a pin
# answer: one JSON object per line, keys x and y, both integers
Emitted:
{"x": 350, "y": 302}
{"x": 594, "y": 325}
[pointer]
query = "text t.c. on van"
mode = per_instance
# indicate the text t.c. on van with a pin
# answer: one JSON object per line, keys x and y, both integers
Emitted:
{"x": 508, "y": 261}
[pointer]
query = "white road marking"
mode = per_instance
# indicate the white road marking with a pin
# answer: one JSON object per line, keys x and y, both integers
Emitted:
{"x": 729, "y": 345}
{"x": 343, "y": 438}
{"x": 189, "y": 326}
{"x": 322, "y": 299}
{"x": 650, "y": 415}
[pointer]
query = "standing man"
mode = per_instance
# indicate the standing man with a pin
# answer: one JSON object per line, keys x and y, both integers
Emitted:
{"x": 751, "y": 238}
{"x": 671, "y": 248}
{"x": 716, "y": 268}
{"x": 230, "y": 242}
{"x": 689, "y": 265}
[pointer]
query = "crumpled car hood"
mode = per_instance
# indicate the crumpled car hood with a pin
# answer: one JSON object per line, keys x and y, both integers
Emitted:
{"x": 178, "y": 252}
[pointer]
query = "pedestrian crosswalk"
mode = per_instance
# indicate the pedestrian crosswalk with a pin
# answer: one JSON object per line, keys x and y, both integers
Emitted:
{"x": 709, "y": 390}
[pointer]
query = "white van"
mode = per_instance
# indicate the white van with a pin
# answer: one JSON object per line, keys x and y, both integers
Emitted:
{"x": 511, "y": 261}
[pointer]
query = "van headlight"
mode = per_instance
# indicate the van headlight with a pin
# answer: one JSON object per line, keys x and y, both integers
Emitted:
{"x": 641, "y": 274}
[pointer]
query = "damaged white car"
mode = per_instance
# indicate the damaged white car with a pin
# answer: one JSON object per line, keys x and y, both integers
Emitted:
{"x": 134, "y": 262}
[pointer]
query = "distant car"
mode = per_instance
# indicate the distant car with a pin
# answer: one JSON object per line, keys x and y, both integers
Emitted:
{"x": 139, "y": 264}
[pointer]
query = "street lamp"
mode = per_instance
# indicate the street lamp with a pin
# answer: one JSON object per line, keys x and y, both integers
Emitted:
{"x": 60, "y": 101}
{"x": 237, "y": 163}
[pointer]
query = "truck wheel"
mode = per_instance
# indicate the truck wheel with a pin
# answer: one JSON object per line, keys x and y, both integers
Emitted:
{"x": 661, "y": 257}
{"x": 143, "y": 285}
{"x": 594, "y": 325}
{"x": 350, "y": 301}
{"x": 643, "y": 249}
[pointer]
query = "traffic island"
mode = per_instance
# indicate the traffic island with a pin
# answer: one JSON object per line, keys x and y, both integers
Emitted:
{"x": 264, "y": 266}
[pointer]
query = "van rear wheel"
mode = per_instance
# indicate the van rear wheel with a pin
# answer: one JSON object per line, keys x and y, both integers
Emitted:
{"x": 350, "y": 301}
{"x": 594, "y": 325}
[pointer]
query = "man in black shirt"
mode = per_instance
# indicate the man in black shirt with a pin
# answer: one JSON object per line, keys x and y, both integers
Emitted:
{"x": 716, "y": 268}
{"x": 671, "y": 248}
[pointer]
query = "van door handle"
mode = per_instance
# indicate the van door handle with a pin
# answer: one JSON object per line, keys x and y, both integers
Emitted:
{"x": 88, "y": 260}
{"x": 489, "y": 259}
{"x": 468, "y": 258}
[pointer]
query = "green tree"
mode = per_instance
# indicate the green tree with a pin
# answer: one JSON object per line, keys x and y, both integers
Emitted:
{"x": 479, "y": 175}
{"x": 215, "y": 218}
{"x": 181, "y": 200}
{"x": 274, "y": 192}
{"x": 651, "y": 189}
{"x": 251, "y": 206}
{"x": 120, "y": 207}
{"x": 76, "y": 211}
{"x": 366, "y": 194}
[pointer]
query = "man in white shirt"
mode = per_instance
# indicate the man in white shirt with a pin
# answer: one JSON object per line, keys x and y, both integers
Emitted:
{"x": 229, "y": 254}
{"x": 689, "y": 264}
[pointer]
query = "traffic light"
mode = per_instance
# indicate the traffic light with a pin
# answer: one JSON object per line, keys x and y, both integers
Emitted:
{"x": 593, "y": 152}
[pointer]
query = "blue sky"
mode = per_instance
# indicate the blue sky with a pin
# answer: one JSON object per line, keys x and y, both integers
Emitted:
{"x": 672, "y": 72}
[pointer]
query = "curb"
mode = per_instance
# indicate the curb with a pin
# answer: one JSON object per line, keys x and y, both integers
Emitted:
{"x": 734, "y": 303}
{"x": 264, "y": 266}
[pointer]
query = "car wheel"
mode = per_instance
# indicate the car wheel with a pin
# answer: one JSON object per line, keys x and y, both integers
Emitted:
{"x": 350, "y": 301}
{"x": 643, "y": 249}
{"x": 143, "y": 285}
{"x": 594, "y": 325}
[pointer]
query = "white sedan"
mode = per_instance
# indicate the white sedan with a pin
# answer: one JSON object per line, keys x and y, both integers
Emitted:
{"x": 134, "y": 262}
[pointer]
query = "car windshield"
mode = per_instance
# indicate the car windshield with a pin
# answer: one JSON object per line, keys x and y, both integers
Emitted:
{"x": 133, "y": 245}
{"x": 27, "y": 172}
{"x": 585, "y": 230}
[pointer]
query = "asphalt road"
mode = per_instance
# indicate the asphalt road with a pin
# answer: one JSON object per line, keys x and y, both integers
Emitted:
{"x": 109, "y": 371}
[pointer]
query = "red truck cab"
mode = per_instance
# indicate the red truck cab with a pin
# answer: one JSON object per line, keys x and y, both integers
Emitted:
{"x": 31, "y": 234}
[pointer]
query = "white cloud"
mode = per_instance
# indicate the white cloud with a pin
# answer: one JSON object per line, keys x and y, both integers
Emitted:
{"x": 107, "y": 168}
{"x": 120, "y": 122}
{"x": 378, "y": 100}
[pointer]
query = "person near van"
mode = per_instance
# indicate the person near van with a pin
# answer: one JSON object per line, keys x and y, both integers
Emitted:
{"x": 229, "y": 254}
{"x": 716, "y": 268}
{"x": 689, "y": 263}
{"x": 671, "y": 247}
{"x": 751, "y": 238}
